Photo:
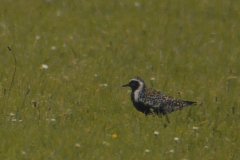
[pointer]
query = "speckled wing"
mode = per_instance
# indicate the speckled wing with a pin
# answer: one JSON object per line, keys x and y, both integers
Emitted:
{"x": 159, "y": 102}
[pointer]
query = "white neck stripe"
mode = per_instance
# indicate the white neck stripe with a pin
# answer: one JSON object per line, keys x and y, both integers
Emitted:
{"x": 136, "y": 93}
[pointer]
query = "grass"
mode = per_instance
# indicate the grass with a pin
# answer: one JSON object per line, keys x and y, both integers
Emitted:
{"x": 191, "y": 47}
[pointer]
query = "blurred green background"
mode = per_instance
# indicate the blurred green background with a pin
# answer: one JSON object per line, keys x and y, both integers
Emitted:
{"x": 66, "y": 99}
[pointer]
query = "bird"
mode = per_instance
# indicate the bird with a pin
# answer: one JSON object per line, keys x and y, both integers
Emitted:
{"x": 151, "y": 101}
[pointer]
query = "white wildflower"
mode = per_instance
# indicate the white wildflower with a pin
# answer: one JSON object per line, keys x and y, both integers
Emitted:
{"x": 195, "y": 128}
{"x": 137, "y": 4}
{"x": 53, "y": 48}
{"x": 53, "y": 120}
{"x": 104, "y": 85}
{"x": 156, "y": 133}
{"x": 171, "y": 151}
{"x": 153, "y": 79}
{"x": 23, "y": 152}
{"x": 105, "y": 143}
{"x": 11, "y": 114}
{"x": 147, "y": 150}
{"x": 176, "y": 139}
{"x": 77, "y": 145}
{"x": 44, "y": 66}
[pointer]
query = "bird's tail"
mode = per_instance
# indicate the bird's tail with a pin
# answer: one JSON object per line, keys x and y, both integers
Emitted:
{"x": 189, "y": 103}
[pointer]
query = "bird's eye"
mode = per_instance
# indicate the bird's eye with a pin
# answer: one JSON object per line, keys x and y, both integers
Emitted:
{"x": 134, "y": 83}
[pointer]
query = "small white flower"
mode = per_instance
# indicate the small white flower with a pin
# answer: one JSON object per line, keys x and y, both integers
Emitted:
{"x": 37, "y": 37}
{"x": 156, "y": 133}
{"x": 195, "y": 128}
{"x": 147, "y": 151}
{"x": 153, "y": 79}
{"x": 176, "y": 139}
{"x": 23, "y": 152}
{"x": 171, "y": 151}
{"x": 137, "y": 4}
{"x": 77, "y": 145}
{"x": 104, "y": 85}
{"x": 14, "y": 120}
{"x": 53, "y": 120}
{"x": 105, "y": 143}
{"x": 53, "y": 48}
{"x": 44, "y": 66}
{"x": 11, "y": 114}
{"x": 96, "y": 75}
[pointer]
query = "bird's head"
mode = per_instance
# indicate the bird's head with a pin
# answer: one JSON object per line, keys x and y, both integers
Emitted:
{"x": 136, "y": 84}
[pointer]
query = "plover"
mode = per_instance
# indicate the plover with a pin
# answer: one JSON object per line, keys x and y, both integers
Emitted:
{"x": 151, "y": 101}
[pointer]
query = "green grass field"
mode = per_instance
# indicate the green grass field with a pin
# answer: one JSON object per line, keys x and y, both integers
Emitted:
{"x": 77, "y": 109}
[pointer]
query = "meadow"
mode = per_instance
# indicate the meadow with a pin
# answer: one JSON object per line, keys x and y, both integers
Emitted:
{"x": 65, "y": 100}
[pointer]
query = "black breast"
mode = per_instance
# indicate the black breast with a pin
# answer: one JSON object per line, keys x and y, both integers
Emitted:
{"x": 142, "y": 108}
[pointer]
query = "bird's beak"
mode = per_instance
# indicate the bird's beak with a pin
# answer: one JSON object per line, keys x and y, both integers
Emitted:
{"x": 126, "y": 85}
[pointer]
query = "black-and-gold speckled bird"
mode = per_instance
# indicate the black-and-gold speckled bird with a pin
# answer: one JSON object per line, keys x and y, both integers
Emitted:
{"x": 151, "y": 101}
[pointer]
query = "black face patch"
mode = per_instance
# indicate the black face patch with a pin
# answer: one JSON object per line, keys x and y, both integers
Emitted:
{"x": 134, "y": 84}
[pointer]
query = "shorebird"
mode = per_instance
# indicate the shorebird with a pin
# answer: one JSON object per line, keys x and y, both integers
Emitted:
{"x": 151, "y": 101}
